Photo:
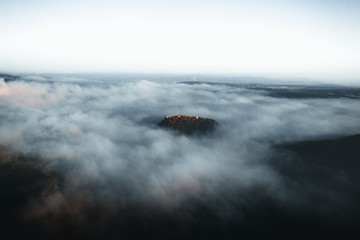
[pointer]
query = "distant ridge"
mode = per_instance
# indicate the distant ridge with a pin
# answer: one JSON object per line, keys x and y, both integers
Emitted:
{"x": 8, "y": 77}
{"x": 292, "y": 91}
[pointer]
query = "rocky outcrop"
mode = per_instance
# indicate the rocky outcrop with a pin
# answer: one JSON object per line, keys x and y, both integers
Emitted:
{"x": 188, "y": 125}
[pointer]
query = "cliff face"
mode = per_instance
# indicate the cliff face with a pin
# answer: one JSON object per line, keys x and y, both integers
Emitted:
{"x": 188, "y": 125}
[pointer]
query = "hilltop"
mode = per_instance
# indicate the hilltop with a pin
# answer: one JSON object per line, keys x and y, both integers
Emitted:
{"x": 188, "y": 125}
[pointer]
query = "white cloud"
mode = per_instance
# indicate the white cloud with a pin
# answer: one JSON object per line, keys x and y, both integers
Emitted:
{"x": 108, "y": 132}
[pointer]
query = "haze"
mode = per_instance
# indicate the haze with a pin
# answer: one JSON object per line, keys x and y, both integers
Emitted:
{"x": 312, "y": 39}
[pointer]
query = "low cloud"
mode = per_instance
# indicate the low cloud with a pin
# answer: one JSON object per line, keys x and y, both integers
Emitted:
{"x": 27, "y": 95}
{"x": 103, "y": 137}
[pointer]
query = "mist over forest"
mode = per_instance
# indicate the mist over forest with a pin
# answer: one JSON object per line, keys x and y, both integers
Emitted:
{"x": 93, "y": 162}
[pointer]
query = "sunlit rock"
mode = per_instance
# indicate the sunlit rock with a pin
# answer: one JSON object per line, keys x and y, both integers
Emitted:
{"x": 188, "y": 125}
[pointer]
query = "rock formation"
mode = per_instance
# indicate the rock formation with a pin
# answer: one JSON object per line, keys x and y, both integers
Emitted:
{"x": 188, "y": 125}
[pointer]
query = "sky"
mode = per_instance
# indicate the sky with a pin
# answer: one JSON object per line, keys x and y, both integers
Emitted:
{"x": 274, "y": 38}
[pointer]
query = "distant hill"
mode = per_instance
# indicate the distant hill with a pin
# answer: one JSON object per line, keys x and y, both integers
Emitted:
{"x": 340, "y": 153}
{"x": 8, "y": 77}
{"x": 292, "y": 91}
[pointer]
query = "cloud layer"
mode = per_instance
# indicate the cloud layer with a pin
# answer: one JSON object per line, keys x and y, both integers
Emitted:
{"x": 103, "y": 138}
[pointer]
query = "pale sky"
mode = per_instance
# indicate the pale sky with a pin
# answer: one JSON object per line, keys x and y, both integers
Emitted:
{"x": 317, "y": 39}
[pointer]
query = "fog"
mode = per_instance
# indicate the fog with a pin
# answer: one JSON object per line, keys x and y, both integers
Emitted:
{"x": 102, "y": 137}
